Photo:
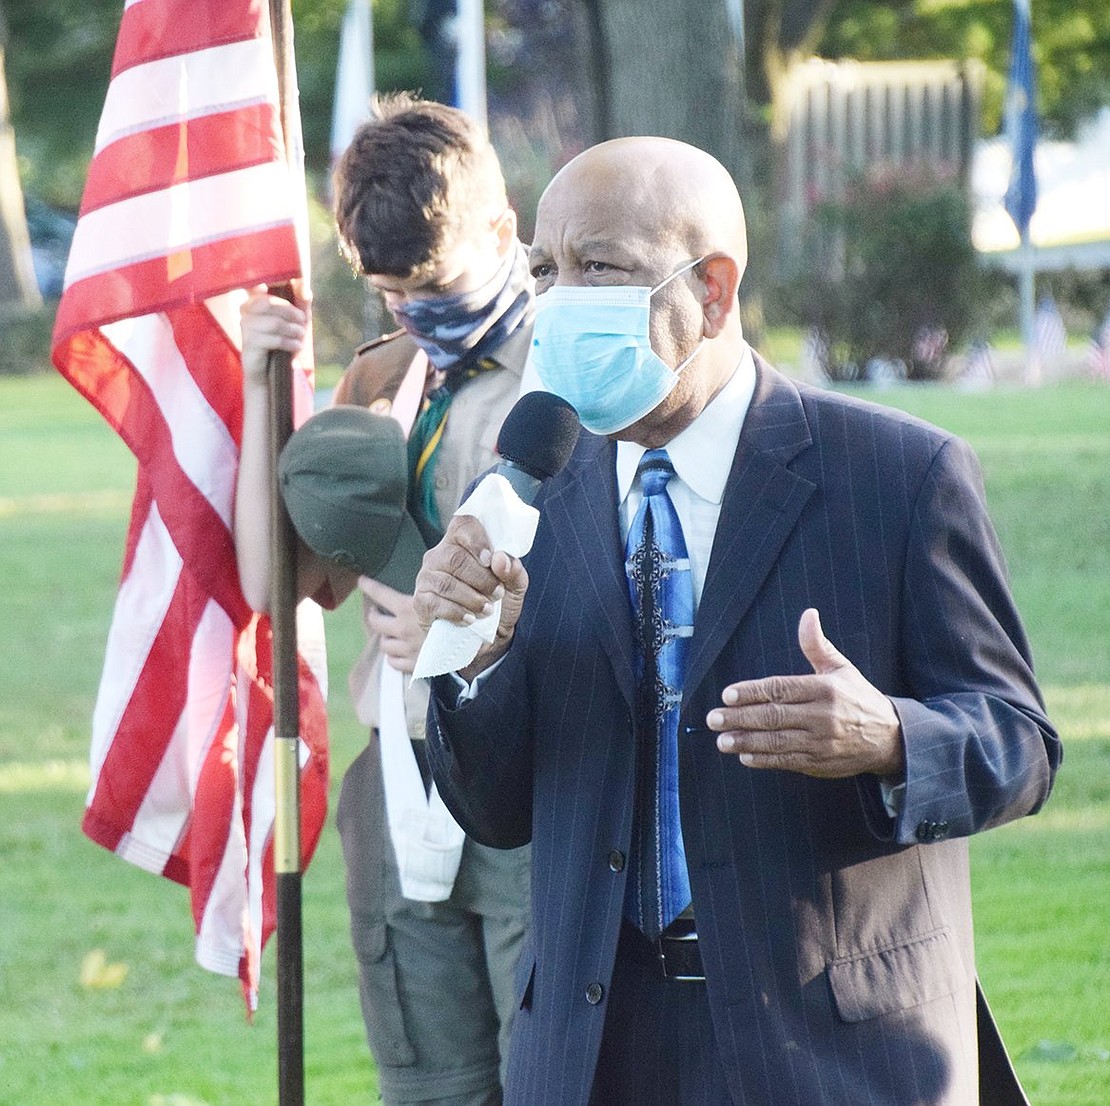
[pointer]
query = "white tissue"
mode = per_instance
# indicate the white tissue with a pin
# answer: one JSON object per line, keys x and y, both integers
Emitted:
{"x": 511, "y": 524}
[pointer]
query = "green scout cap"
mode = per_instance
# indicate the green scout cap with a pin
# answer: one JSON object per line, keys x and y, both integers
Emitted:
{"x": 344, "y": 479}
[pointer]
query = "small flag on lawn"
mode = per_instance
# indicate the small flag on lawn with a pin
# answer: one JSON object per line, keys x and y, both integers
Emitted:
{"x": 978, "y": 372}
{"x": 1098, "y": 352}
{"x": 189, "y": 197}
{"x": 1050, "y": 338}
{"x": 814, "y": 356}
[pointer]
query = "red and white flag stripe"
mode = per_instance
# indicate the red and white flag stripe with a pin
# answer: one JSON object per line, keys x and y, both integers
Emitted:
{"x": 189, "y": 199}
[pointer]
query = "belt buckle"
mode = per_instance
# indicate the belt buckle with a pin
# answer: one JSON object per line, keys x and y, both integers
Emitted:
{"x": 661, "y": 950}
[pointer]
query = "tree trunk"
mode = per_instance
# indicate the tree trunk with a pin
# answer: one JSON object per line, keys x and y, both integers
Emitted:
{"x": 675, "y": 70}
{"x": 18, "y": 287}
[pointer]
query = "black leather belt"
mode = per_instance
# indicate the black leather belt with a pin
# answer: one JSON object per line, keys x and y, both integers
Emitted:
{"x": 678, "y": 952}
{"x": 674, "y": 956}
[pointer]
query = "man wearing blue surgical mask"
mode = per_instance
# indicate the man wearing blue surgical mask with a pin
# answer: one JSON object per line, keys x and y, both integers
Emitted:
{"x": 755, "y": 685}
{"x": 437, "y": 919}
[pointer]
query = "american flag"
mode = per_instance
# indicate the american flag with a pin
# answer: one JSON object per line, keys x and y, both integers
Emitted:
{"x": 189, "y": 197}
{"x": 1050, "y": 338}
{"x": 978, "y": 371}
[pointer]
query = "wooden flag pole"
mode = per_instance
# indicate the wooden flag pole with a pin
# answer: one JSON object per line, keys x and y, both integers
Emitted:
{"x": 283, "y": 602}
{"x": 287, "y": 811}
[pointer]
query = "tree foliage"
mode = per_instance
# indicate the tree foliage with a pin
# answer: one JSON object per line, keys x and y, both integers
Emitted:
{"x": 60, "y": 58}
{"x": 60, "y": 52}
{"x": 1071, "y": 46}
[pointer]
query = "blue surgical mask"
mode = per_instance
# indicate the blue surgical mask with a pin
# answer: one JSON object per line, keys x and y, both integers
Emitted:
{"x": 592, "y": 346}
{"x": 458, "y": 330}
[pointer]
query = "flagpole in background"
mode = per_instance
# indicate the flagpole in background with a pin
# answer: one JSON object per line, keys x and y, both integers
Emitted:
{"x": 1021, "y": 195}
{"x": 354, "y": 76}
{"x": 354, "y": 89}
{"x": 470, "y": 59}
{"x": 283, "y": 604}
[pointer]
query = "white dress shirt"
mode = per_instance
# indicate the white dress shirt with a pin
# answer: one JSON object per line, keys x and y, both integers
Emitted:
{"x": 702, "y": 456}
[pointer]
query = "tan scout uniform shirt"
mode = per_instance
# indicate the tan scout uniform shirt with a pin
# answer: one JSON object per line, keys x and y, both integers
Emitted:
{"x": 467, "y": 449}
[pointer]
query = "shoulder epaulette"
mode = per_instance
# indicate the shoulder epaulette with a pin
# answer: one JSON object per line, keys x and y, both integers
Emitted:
{"x": 381, "y": 340}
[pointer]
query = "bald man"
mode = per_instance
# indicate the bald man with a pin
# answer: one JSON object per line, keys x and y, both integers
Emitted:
{"x": 755, "y": 685}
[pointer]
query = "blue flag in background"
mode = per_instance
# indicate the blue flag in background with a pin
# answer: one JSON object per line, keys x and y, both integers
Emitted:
{"x": 1021, "y": 121}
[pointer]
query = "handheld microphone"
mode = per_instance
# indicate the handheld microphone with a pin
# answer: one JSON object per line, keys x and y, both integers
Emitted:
{"x": 535, "y": 442}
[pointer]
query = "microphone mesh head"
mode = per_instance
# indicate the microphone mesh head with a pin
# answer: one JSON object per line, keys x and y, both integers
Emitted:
{"x": 539, "y": 434}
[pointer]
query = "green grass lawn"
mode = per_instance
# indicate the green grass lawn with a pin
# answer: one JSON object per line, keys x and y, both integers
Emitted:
{"x": 169, "y": 1034}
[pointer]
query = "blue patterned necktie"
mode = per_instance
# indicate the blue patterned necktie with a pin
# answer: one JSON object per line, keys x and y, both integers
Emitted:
{"x": 662, "y": 594}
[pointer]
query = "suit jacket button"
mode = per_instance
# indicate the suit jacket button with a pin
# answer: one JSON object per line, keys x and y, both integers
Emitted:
{"x": 593, "y": 993}
{"x": 616, "y": 861}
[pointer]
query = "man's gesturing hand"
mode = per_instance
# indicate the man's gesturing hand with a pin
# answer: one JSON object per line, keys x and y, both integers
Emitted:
{"x": 462, "y": 577}
{"x": 831, "y": 724}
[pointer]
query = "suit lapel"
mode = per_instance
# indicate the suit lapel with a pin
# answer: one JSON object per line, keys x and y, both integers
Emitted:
{"x": 583, "y": 514}
{"x": 762, "y": 502}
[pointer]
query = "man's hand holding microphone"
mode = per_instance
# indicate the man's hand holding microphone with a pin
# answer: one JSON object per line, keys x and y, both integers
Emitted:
{"x": 464, "y": 576}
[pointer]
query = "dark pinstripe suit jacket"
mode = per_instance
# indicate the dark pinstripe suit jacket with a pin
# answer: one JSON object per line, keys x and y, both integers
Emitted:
{"x": 837, "y": 941}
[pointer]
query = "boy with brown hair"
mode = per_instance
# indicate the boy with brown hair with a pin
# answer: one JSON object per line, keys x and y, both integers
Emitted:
{"x": 437, "y": 920}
